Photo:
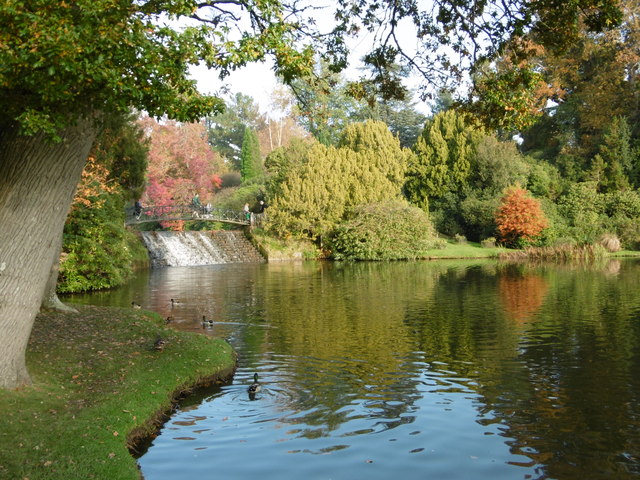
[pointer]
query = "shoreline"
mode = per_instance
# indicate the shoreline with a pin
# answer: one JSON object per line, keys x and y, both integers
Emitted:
{"x": 100, "y": 390}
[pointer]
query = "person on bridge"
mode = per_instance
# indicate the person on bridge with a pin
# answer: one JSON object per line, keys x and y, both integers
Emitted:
{"x": 247, "y": 214}
{"x": 196, "y": 200}
{"x": 137, "y": 209}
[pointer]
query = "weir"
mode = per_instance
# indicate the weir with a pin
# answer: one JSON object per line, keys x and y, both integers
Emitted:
{"x": 181, "y": 249}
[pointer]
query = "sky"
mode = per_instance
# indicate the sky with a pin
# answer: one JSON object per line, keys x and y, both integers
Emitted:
{"x": 258, "y": 81}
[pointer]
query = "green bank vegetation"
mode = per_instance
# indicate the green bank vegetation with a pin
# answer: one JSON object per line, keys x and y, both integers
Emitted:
{"x": 341, "y": 149}
{"x": 99, "y": 388}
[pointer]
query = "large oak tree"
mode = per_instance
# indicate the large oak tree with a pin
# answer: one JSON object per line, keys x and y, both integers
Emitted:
{"x": 63, "y": 66}
{"x": 65, "y": 63}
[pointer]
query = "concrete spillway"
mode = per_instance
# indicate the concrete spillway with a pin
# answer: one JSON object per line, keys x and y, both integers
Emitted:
{"x": 181, "y": 249}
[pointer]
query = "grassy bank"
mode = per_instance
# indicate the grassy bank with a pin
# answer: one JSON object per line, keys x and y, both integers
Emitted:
{"x": 454, "y": 249}
{"x": 99, "y": 386}
{"x": 295, "y": 249}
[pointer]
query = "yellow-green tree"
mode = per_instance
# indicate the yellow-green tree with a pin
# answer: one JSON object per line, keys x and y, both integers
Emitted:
{"x": 326, "y": 183}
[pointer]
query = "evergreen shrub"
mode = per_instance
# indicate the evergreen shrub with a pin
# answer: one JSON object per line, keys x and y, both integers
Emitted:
{"x": 392, "y": 230}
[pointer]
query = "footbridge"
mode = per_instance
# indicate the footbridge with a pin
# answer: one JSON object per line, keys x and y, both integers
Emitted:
{"x": 167, "y": 213}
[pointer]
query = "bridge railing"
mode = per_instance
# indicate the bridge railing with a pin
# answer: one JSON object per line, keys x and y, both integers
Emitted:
{"x": 165, "y": 213}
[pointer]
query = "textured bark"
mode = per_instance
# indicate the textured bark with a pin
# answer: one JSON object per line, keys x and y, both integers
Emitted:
{"x": 50, "y": 300}
{"x": 38, "y": 179}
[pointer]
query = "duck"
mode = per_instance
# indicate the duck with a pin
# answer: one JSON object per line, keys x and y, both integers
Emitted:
{"x": 169, "y": 319}
{"x": 206, "y": 323}
{"x": 159, "y": 344}
{"x": 136, "y": 306}
{"x": 254, "y": 387}
{"x": 175, "y": 303}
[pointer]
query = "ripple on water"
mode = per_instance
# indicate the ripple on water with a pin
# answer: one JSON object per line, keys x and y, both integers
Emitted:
{"x": 407, "y": 370}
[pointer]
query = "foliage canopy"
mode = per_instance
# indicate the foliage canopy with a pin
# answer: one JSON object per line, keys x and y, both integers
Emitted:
{"x": 62, "y": 60}
{"x": 443, "y": 159}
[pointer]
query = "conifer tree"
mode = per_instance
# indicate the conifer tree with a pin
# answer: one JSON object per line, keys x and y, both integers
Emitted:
{"x": 250, "y": 161}
{"x": 327, "y": 183}
{"x": 613, "y": 164}
{"x": 382, "y": 147}
{"x": 443, "y": 157}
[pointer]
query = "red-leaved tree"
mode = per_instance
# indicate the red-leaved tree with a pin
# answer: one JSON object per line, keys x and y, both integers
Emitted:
{"x": 519, "y": 216}
{"x": 181, "y": 164}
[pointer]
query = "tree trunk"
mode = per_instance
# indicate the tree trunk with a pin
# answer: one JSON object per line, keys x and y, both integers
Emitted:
{"x": 50, "y": 300}
{"x": 38, "y": 179}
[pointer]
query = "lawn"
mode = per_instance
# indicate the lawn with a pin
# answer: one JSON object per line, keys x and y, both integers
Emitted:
{"x": 99, "y": 388}
{"x": 467, "y": 249}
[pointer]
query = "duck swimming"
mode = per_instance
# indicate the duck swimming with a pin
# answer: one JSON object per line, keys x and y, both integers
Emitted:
{"x": 175, "y": 303}
{"x": 206, "y": 323}
{"x": 136, "y": 306}
{"x": 254, "y": 387}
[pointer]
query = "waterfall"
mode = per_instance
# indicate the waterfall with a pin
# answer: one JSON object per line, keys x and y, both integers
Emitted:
{"x": 181, "y": 249}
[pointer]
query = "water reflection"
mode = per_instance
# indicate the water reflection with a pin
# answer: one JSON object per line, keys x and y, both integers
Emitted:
{"x": 522, "y": 292}
{"x": 441, "y": 369}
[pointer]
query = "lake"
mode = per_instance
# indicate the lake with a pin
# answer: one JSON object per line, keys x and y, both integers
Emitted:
{"x": 439, "y": 370}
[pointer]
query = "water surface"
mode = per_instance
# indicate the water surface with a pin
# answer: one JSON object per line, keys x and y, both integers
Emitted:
{"x": 436, "y": 370}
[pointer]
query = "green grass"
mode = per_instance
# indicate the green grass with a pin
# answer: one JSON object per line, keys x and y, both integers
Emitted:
{"x": 455, "y": 249}
{"x": 275, "y": 249}
{"x": 626, "y": 253}
{"x": 99, "y": 387}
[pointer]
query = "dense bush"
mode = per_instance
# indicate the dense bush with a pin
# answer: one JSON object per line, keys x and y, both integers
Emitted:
{"x": 478, "y": 214}
{"x": 588, "y": 214}
{"x": 622, "y": 204}
{"x": 100, "y": 257}
{"x": 391, "y": 230}
{"x": 98, "y": 252}
{"x": 629, "y": 232}
{"x": 234, "y": 198}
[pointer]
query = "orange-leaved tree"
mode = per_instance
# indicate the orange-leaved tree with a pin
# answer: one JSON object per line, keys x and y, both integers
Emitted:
{"x": 519, "y": 216}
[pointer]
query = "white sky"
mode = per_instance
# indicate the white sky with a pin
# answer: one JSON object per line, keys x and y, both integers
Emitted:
{"x": 258, "y": 81}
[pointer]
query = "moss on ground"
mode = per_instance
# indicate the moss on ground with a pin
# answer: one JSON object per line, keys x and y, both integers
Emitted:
{"x": 99, "y": 388}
